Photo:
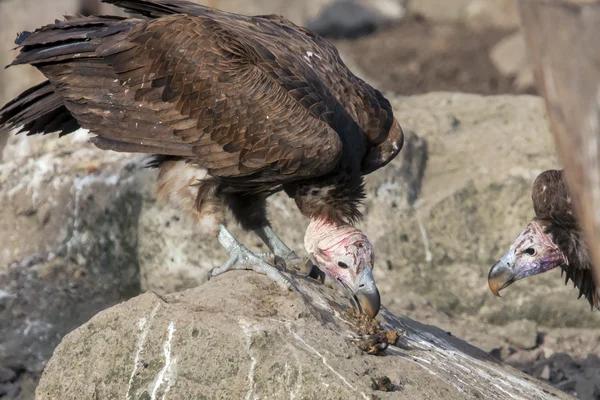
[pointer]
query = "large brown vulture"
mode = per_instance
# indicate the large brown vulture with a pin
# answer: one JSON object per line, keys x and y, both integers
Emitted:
{"x": 235, "y": 109}
{"x": 552, "y": 239}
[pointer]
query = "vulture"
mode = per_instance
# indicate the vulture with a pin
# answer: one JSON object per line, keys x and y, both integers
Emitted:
{"x": 552, "y": 239}
{"x": 231, "y": 109}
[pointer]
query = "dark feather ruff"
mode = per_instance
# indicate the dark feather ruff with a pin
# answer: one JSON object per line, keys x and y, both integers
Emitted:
{"x": 552, "y": 204}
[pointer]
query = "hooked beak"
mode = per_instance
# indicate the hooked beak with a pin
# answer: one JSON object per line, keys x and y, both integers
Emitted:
{"x": 502, "y": 275}
{"x": 366, "y": 293}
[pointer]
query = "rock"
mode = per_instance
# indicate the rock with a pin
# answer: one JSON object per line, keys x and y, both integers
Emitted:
{"x": 453, "y": 10}
{"x": 351, "y": 19}
{"x": 240, "y": 336}
{"x": 72, "y": 254}
{"x": 6, "y": 374}
{"x": 522, "y": 334}
{"x": 579, "y": 377}
{"x": 476, "y": 14}
{"x": 545, "y": 374}
{"x": 510, "y": 54}
{"x": 483, "y": 14}
{"x": 431, "y": 56}
{"x": 510, "y": 58}
{"x": 300, "y": 12}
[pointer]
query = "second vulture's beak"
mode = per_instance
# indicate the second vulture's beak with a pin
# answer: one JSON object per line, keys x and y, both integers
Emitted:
{"x": 502, "y": 275}
{"x": 366, "y": 293}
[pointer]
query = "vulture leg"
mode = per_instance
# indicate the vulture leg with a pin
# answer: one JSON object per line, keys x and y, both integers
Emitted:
{"x": 281, "y": 251}
{"x": 240, "y": 258}
{"x": 290, "y": 258}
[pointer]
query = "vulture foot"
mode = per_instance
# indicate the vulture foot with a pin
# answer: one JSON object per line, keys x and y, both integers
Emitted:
{"x": 284, "y": 256}
{"x": 240, "y": 258}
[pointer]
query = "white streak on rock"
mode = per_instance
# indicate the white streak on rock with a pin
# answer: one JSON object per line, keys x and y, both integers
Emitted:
{"x": 445, "y": 354}
{"x": 170, "y": 377}
{"x": 428, "y": 255}
{"x": 421, "y": 359}
{"x": 249, "y": 329}
{"x": 144, "y": 326}
{"x": 294, "y": 392}
{"x": 168, "y": 365}
{"x": 393, "y": 350}
{"x": 4, "y": 294}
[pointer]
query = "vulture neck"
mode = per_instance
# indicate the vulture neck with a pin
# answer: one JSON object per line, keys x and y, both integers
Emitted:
{"x": 578, "y": 266}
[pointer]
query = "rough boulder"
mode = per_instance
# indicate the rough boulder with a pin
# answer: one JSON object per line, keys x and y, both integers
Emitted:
{"x": 239, "y": 336}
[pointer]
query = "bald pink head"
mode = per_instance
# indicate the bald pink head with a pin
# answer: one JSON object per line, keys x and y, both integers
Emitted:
{"x": 345, "y": 254}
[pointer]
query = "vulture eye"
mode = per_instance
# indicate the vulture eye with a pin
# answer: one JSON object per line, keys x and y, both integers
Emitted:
{"x": 342, "y": 265}
{"x": 530, "y": 251}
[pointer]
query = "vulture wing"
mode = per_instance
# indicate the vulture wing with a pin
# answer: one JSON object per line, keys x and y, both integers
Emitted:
{"x": 251, "y": 97}
{"x": 185, "y": 86}
{"x": 366, "y": 106}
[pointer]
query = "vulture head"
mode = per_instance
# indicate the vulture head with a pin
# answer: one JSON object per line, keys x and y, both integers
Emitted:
{"x": 552, "y": 239}
{"x": 345, "y": 254}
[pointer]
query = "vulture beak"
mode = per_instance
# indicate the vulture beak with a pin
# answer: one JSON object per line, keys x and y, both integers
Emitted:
{"x": 502, "y": 275}
{"x": 366, "y": 293}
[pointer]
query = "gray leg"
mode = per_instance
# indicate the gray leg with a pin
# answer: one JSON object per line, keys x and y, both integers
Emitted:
{"x": 280, "y": 249}
{"x": 274, "y": 243}
{"x": 240, "y": 258}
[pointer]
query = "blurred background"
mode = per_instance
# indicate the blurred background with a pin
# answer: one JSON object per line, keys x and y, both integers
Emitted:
{"x": 81, "y": 230}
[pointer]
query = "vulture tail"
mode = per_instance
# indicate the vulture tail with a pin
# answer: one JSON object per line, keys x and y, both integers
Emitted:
{"x": 39, "y": 109}
{"x": 70, "y": 39}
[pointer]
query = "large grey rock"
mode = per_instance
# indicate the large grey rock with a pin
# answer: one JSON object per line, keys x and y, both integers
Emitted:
{"x": 239, "y": 336}
{"x": 511, "y": 58}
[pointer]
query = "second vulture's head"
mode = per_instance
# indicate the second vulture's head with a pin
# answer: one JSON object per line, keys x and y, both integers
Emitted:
{"x": 552, "y": 239}
{"x": 345, "y": 254}
{"x": 532, "y": 253}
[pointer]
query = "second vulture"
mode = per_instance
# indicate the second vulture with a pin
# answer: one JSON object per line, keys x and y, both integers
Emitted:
{"x": 552, "y": 239}
{"x": 235, "y": 109}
